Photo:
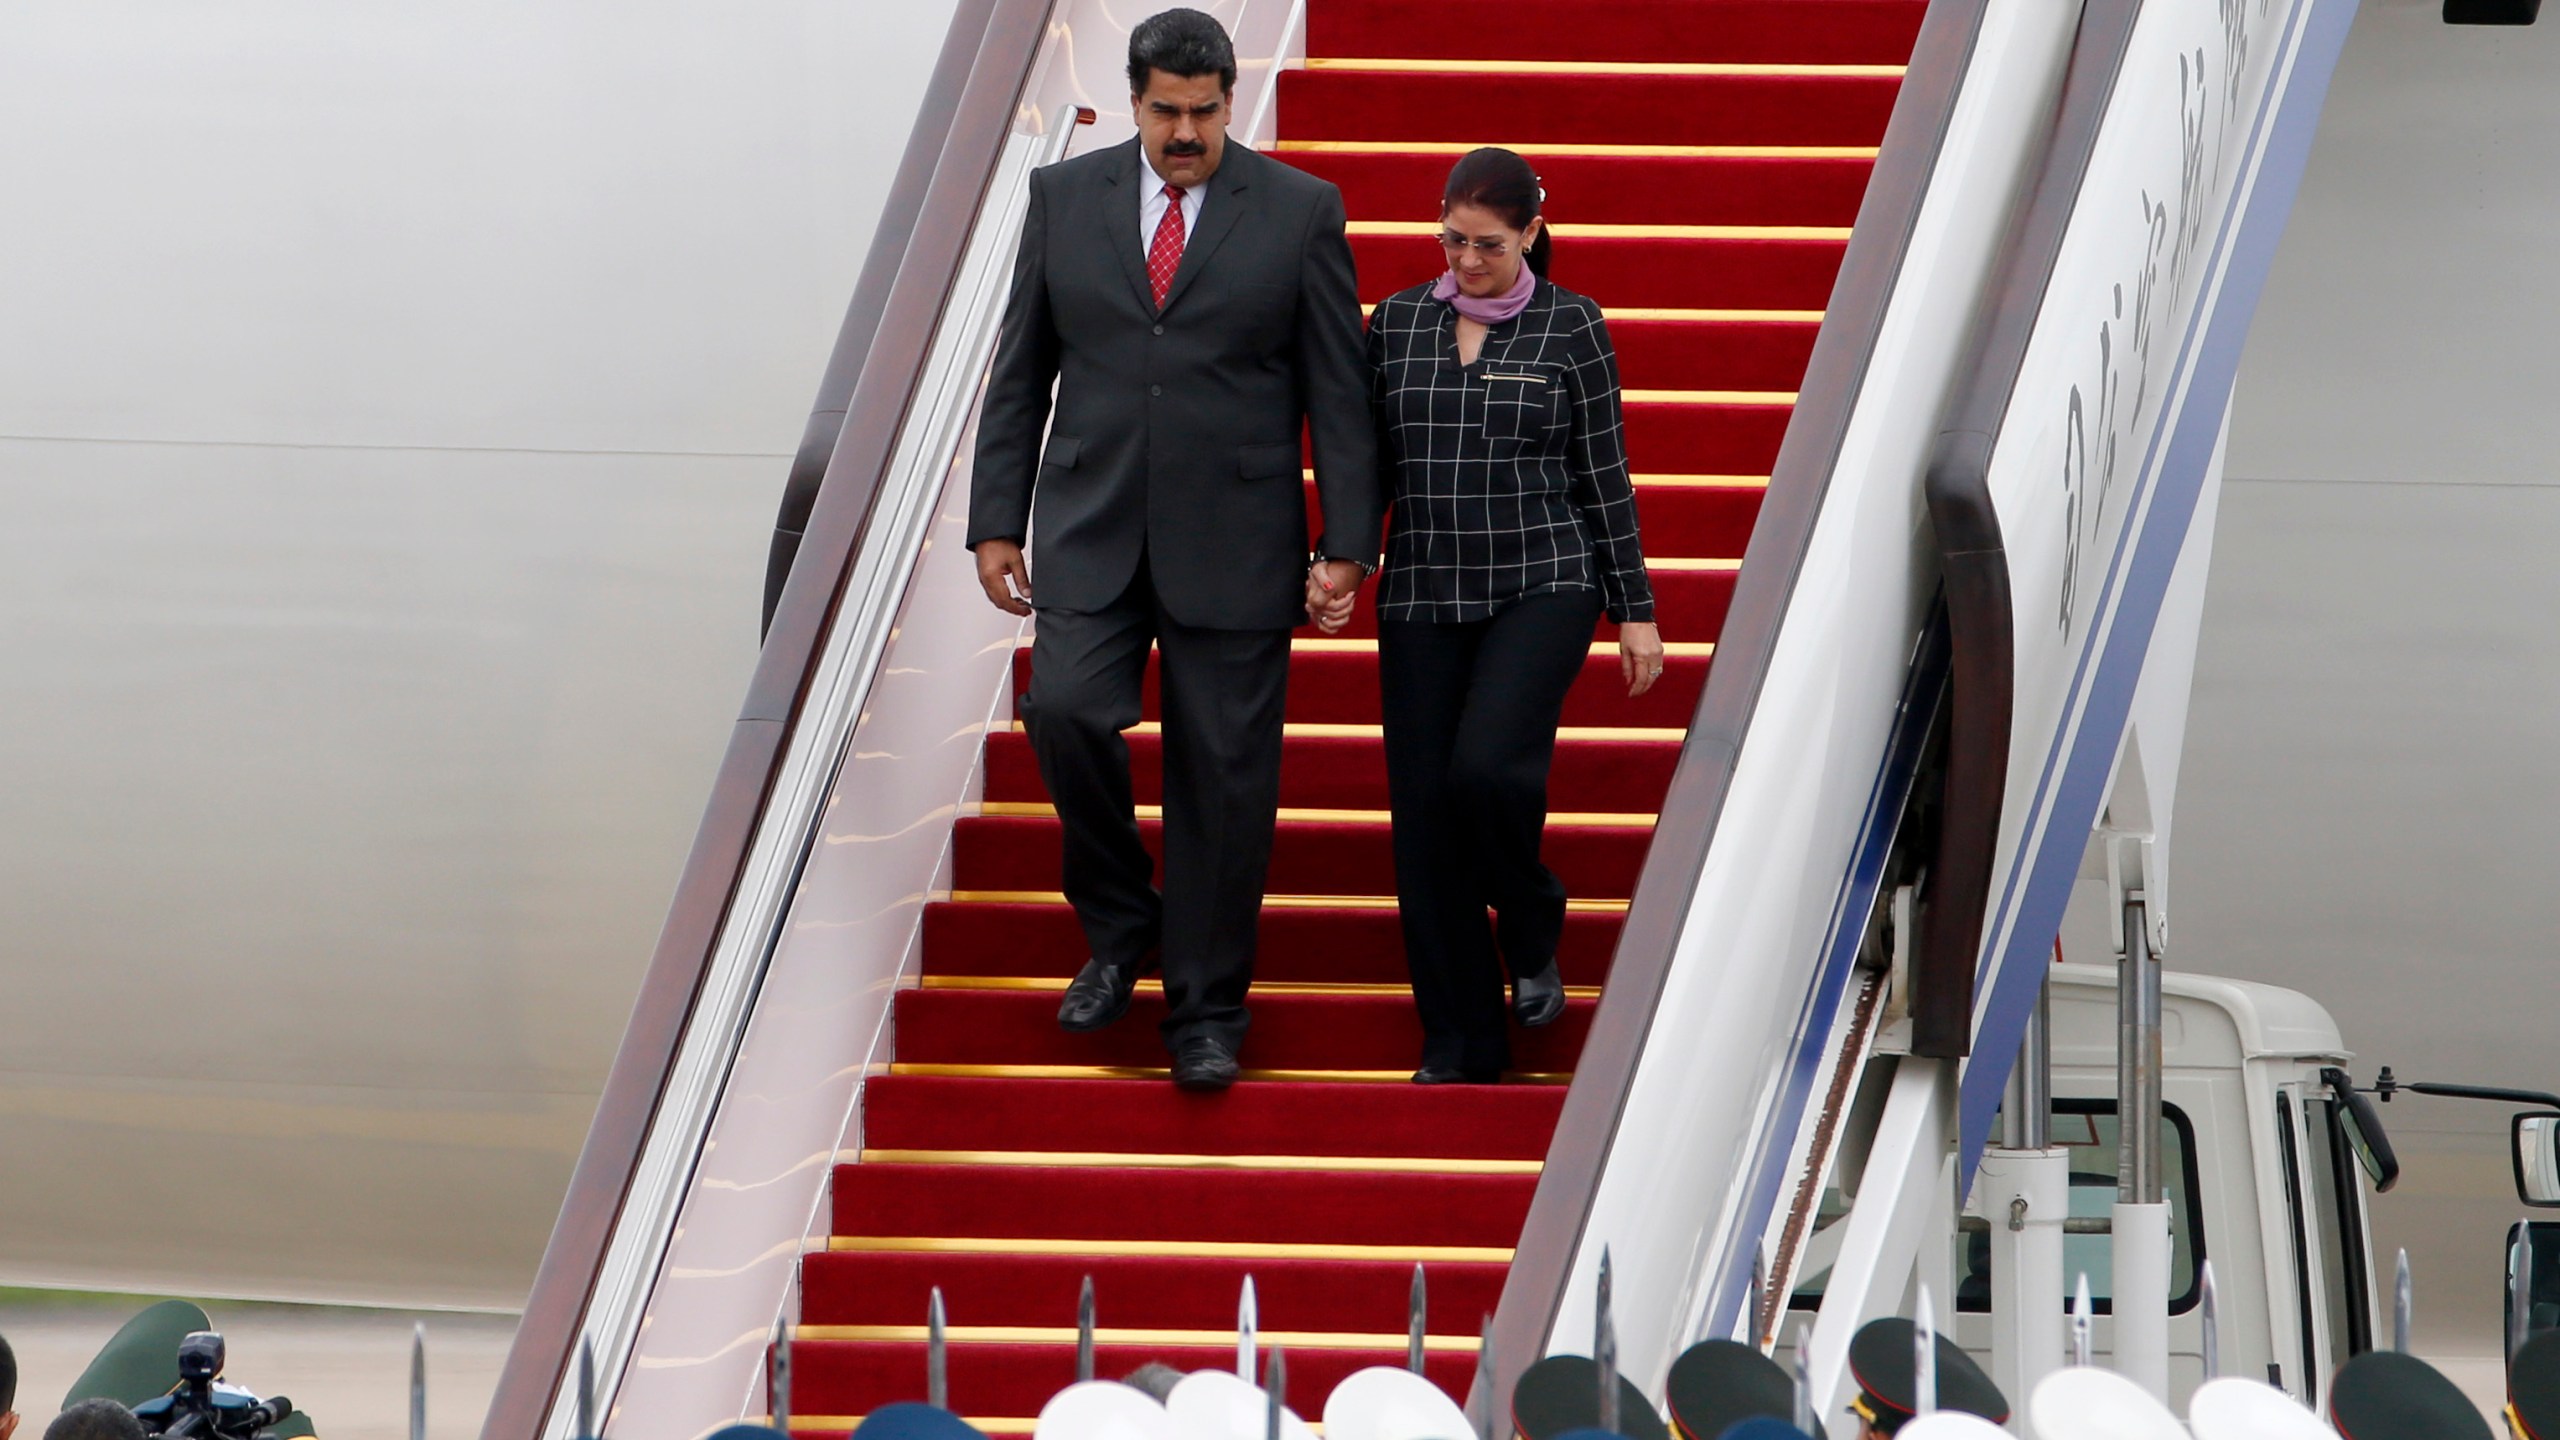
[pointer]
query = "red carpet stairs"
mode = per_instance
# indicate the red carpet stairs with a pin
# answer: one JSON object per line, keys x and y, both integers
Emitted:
{"x": 1703, "y": 160}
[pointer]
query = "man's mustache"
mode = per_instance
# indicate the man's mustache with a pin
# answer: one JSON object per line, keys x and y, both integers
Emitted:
{"x": 1186, "y": 147}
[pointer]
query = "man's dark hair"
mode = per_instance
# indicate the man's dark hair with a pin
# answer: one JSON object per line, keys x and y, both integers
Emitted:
{"x": 1183, "y": 43}
{"x": 95, "y": 1420}
{"x": 8, "y": 1377}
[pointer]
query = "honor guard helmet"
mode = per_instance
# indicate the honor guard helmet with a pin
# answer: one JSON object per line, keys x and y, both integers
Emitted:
{"x": 1391, "y": 1403}
{"x": 1884, "y": 1360}
{"x": 1091, "y": 1409}
{"x": 1718, "y": 1384}
{"x": 2533, "y": 1388}
{"x": 2086, "y": 1403}
{"x": 916, "y": 1422}
{"x": 1952, "y": 1425}
{"x": 1561, "y": 1394}
{"x": 1764, "y": 1428}
{"x": 2234, "y": 1408}
{"x": 2389, "y": 1395}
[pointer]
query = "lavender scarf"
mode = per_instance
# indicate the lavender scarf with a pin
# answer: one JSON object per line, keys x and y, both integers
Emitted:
{"x": 1492, "y": 310}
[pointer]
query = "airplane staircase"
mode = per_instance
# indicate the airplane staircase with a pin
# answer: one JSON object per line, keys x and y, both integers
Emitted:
{"x": 1703, "y": 160}
{"x": 842, "y": 1086}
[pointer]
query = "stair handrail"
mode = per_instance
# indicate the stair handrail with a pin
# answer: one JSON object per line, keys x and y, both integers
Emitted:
{"x": 878, "y": 367}
{"x": 1542, "y": 1263}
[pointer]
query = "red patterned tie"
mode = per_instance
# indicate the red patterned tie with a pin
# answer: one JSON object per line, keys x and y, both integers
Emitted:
{"x": 1165, "y": 255}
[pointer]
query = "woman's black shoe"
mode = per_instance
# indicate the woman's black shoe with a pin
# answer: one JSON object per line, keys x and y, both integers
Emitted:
{"x": 1452, "y": 1075}
{"x": 1538, "y": 999}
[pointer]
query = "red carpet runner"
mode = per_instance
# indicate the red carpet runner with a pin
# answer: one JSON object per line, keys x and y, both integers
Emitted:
{"x": 1703, "y": 160}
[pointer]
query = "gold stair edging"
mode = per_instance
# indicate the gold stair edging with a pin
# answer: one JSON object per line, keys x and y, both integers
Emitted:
{"x": 1133, "y": 1160}
{"x": 1172, "y": 1249}
{"x": 1609, "y": 230}
{"x": 1703, "y": 68}
{"x": 1165, "y": 1072}
{"x": 1057, "y": 984}
{"x": 1568, "y": 148}
{"x": 1067, "y": 1335}
{"x": 1301, "y": 815}
{"x": 1325, "y": 645}
{"x": 1269, "y": 902}
{"x": 1621, "y": 734}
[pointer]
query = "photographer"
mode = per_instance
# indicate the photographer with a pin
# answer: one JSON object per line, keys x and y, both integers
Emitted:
{"x": 8, "y": 1390}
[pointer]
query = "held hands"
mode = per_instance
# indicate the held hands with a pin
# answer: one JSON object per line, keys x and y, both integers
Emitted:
{"x": 1639, "y": 656}
{"x": 1332, "y": 588}
{"x": 999, "y": 561}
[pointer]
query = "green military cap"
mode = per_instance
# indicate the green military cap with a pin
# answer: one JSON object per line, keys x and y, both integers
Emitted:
{"x": 1561, "y": 1394}
{"x": 2388, "y": 1395}
{"x": 1718, "y": 1384}
{"x": 1884, "y": 1360}
{"x": 141, "y": 1361}
{"x": 2533, "y": 1388}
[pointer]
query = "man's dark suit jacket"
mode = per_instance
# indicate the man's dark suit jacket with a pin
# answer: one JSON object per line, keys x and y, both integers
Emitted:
{"x": 1177, "y": 433}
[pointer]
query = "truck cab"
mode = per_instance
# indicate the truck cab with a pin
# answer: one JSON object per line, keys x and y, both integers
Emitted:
{"x": 2265, "y": 1156}
{"x": 2269, "y": 1159}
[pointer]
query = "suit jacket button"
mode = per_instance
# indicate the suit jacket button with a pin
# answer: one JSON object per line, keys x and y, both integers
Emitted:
{"x": 1159, "y": 329}
{"x": 1155, "y": 390}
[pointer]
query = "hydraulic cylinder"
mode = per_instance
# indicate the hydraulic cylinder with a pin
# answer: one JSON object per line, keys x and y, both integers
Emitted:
{"x": 2141, "y": 1221}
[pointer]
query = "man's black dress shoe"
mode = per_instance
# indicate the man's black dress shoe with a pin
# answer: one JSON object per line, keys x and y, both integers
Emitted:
{"x": 1538, "y": 999}
{"x": 1451, "y": 1075}
{"x": 1204, "y": 1062}
{"x": 1097, "y": 996}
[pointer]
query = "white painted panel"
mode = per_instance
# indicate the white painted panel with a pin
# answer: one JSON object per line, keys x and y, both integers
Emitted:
{"x": 2368, "y": 809}
{"x": 433, "y": 372}
{"x": 1699, "y": 1112}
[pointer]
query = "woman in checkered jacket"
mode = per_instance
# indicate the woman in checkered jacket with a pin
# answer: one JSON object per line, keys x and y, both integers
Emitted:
{"x": 1513, "y": 530}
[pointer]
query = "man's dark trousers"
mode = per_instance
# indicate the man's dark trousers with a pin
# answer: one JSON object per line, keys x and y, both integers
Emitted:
{"x": 1222, "y": 694}
{"x": 1166, "y": 504}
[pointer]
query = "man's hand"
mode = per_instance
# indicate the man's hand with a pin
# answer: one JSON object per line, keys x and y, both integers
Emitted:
{"x": 1332, "y": 588}
{"x": 999, "y": 561}
{"x": 1639, "y": 656}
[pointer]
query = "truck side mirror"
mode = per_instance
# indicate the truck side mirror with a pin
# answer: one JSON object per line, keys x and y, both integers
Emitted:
{"x": 2363, "y": 1127}
{"x": 2537, "y": 1158}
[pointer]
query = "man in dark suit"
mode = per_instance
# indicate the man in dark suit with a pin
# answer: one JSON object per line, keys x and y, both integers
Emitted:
{"x": 1194, "y": 303}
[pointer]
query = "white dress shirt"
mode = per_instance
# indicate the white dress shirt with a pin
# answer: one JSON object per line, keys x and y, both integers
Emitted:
{"x": 1151, "y": 208}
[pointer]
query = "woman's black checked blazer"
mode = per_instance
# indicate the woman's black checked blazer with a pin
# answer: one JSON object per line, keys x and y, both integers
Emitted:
{"x": 1509, "y": 475}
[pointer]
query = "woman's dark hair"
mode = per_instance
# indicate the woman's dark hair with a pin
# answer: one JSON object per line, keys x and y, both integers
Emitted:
{"x": 1499, "y": 180}
{"x": 1182, "y": 43}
